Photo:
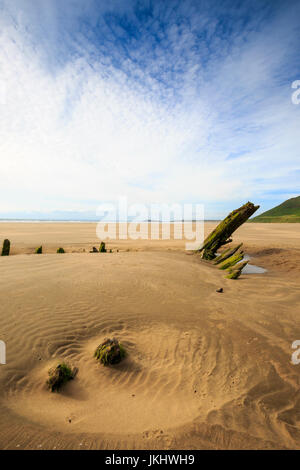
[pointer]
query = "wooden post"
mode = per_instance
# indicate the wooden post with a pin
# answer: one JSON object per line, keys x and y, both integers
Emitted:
{"x": 234, "y": 273}
{"x": 222, "y": 233}
{"x": 5, "y": 248}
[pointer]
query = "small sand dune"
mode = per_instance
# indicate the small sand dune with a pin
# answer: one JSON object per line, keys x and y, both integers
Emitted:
{"x": 204, "y": 370}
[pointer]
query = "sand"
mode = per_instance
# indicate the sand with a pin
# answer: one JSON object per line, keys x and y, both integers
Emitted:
{"x": 204, "y": 370}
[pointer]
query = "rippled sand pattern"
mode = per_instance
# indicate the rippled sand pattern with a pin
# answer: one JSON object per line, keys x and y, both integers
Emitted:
{"x": 204, "y": 370}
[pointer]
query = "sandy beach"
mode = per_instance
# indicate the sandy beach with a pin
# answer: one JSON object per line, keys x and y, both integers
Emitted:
{"x": 204, "y": 370}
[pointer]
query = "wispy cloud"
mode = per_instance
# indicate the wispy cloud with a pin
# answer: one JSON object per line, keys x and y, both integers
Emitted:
{"x": 160, "y": 101}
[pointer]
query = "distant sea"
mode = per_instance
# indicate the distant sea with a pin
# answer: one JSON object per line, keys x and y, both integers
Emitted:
{"x": 48, "y": 221}
{"x": 94, "y": 221}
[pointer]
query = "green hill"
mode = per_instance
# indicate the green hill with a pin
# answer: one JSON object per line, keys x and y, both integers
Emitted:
{"x": 288, "y": 211}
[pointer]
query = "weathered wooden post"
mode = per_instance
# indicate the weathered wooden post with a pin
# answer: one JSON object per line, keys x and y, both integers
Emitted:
{"x": 221, "y": 234}
{"x": 230, "y": 259}
{"x": 5, "y": 248}
{"x": 236, "y": 271}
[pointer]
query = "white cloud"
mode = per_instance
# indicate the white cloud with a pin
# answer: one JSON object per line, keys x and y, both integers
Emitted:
{"x": 90, "y": 131}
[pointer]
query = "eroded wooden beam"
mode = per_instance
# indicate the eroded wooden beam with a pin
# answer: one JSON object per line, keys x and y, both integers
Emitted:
{"x": 222, "y": 233}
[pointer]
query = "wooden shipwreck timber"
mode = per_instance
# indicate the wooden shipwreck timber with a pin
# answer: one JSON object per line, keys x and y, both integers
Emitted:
{"x": 230, "y": 259}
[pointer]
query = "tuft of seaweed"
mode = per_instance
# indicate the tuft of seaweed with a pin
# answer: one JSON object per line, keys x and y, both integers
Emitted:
{"x": 39, "y": 250}
{"x": 110, "y": 352}
{"x": 60, "y": 250}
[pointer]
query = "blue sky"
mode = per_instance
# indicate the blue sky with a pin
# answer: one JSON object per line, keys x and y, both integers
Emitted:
{"x": 160, "y": 101}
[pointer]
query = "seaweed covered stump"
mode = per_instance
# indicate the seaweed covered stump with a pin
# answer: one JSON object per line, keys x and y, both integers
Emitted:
{"x": 110, "y": 352}
{"x": 102, "y": 248}
{"x": 5, "y": 248}
{"x": 60, "y": 375}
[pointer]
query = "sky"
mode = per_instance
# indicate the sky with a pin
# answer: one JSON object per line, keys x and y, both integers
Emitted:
{"x": 157, "y": 101}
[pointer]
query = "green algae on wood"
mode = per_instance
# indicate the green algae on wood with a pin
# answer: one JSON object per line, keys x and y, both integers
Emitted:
{"x": 5, "y": 248}
{"x": 39, "y": 250}
{"x": 234, "y": 273}
{"x": 110, "y": 352}
{"x": 226, "y": 254}
{"x": 232, "y": 260}
{"x": 222, "y": 233}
